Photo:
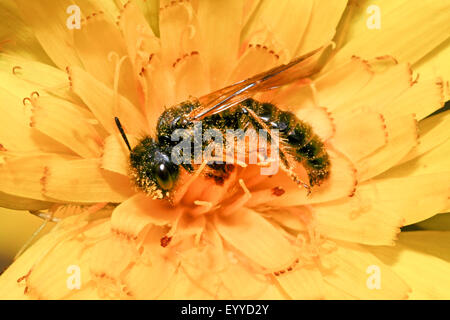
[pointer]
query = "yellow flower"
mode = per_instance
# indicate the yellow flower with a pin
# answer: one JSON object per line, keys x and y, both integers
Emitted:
{"x": 253, "y": 236}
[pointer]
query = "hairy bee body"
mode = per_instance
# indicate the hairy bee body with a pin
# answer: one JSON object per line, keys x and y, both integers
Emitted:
{"x": 232, "y": 108}
{"x": 305, "y": 146}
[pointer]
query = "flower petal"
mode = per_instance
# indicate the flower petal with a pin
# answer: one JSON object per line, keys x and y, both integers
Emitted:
{"x": 49, "y": 280}
{"x": 421, "y": 258}
{"x": 64, "y": 122}
{"x": 272, "y": 250}
{"x": 341, "y": 183}
{"x": 319, "y": 119}
{"x": 101, "y": 101}
{"x": 380, "y": 207}
{"x": 236, "y": 274}
{"x": 254, "y": 60}
{"x": 433, "y": 132}
{"x": 96, "y": 58}
{"x": 182, "y": 287}
{"x": 17, "y": 37}
{"x": 303, "y": 283}
{"x": 334, "y": 293}
{"x": 16, "y": 135}
{"x": 84, "y": 181}
{"x": 116, "y": 155}
{"x": 402, "y": 138}
{"x": 53, "y": 35}
{"x": 22, "y": 176}
{"x": 48, "y": 261}
{"x": 356, "y": 220}
{"x": 154, "y": 270}
{"x": 178, "y": 30}
{"x": 21, "y": 77}
{"x": 422, "y": 99}
{"x": 415, "y": 198}
{"x": 289, "y": 19}
{"x": 409, "y": 40}
{"x": 369, "y": 125}
{"x": 322, "y": 24}
{"x": 10, "y": 288}
{"x": 436, "y": 65}
{"x": 190, "y": 77}
{"x": 138, "y": 40}
{"x": 338, "y": 85}
{"x": 109, "y": 260}
{"x": 220, "y": 23}
{"x": 384, "y": 86}
{"x": 136, "y": 213}
{"x": 349, "y": 272}
{"x": 434, "y": 161}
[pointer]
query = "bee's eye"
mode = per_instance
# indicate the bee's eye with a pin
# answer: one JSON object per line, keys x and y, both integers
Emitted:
{"x": 164, "y": 176}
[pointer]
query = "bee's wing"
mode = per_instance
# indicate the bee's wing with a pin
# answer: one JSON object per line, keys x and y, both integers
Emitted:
{"x": 220, "y": 100}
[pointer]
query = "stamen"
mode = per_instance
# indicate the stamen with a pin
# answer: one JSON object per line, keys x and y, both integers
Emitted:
{"x": 15, "y": 68}
{"x": 206, "y": 204}
{"x": 45, "y": 216}
{"x": 264, "y": 196}
{"x": 165, "y": 241}
{"x": 239, "y": 202}
{"x": 311, "y": 84}
{"x": 387, "y": 57}
{"x": 15, "y": 72}
{"x": 30, "y": 240}
{"x": 244, "y": 187}
{"x": 119, "y": 63}
{"x": 286, "y": 56}
{"x": 22, "y": 278}
{"x": 25, "y": 100}
{"x": 184, "y": 188}
{"x": 333, "y": 44}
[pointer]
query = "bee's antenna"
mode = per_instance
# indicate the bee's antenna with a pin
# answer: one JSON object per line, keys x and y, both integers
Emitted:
{"x": 122, "y": 132}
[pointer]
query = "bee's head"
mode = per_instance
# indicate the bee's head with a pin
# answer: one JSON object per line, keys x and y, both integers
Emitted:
{"x": 152, "y": 168}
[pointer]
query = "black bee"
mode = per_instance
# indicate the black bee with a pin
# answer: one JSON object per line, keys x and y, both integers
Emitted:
{"x": 231, "y": 108}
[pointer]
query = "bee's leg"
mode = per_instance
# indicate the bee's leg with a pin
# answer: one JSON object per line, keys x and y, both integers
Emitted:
{"x": 287, "y": 162}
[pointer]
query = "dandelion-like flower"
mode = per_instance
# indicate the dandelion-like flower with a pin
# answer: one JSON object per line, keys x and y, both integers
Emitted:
{"x": 248, "y": 236}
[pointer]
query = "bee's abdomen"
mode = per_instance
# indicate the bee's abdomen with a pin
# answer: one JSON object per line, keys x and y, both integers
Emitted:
{"x": 306, "y": 146}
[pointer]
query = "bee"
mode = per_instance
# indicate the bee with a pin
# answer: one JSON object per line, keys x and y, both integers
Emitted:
{"x": 233, "y": 107}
